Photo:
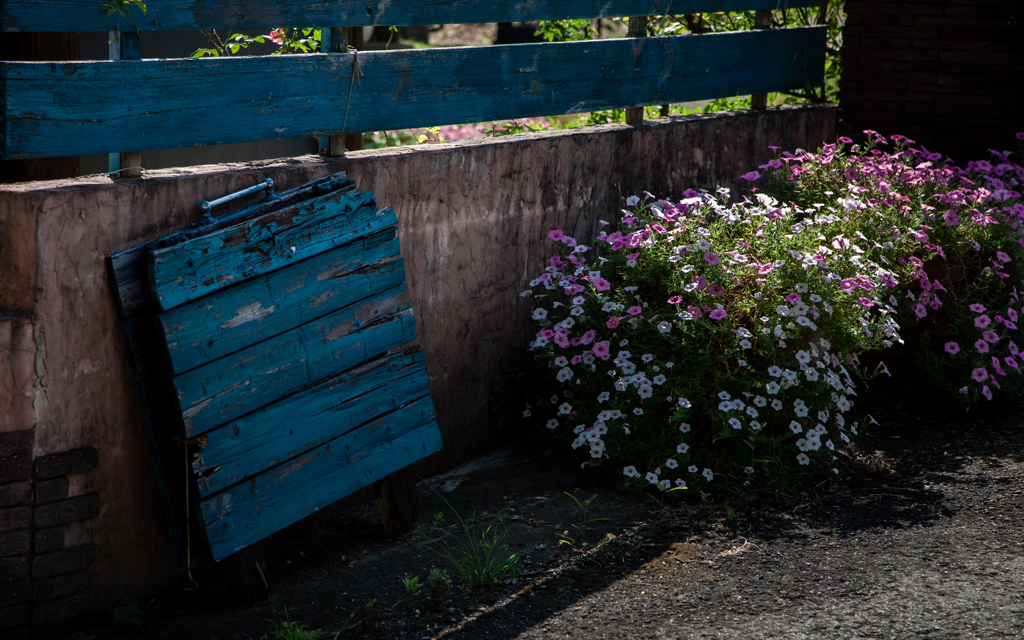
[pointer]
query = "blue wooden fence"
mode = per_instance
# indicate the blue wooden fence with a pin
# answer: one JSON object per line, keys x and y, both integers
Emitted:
{"x": 73, "y": 108}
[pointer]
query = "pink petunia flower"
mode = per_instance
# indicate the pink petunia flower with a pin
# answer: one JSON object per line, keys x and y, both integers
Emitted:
{"x": 952, "y": 348}
{"x": 998, "y": 369}
{"x": 793, "y": 297}
{"x": 711, "y": 258}
{"x": 556, "y": 235}
{"x": 985, "y": 391}
{"x": 919, "y": 310}
{"x": 1011, "y": 362}
{"x": 1002, "y": 257}
{"x": 981, "y": 346}
{"x": 979, "y": 374}
{"x": 866, "y": 302}
{"x": 951, "y": 218}
{"x": 613, "y": 322}
{"x": 675, "y": 299}
{"x": 601, "y": 349}
{"x": 588, "y": 337}
{"x": 716, "y": 290}
{"x": 752, "y": 176}
{"x": 601, "y": 284}
{"x": 982, "y": 321}
{"x": 977, "y": 308}
{"x": 718, "y": 314}
{"x": 634, "y": 310}
{"x": 990, "y": 337}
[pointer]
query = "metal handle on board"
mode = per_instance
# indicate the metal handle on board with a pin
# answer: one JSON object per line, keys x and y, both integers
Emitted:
{"x": 207, "y": 207}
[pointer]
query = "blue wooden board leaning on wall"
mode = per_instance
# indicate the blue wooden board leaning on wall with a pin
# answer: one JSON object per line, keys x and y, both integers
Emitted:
{"x": 56, "y": 109}
{"x": 288, "y": 338}
{"x": 165, "y": 15}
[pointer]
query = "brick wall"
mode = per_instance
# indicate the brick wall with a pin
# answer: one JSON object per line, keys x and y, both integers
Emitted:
{"x": 42, "y": 580}
{"x": 946, "y": 73}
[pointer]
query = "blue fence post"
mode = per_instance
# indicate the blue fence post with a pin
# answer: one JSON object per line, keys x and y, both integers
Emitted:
{"x": 637, "y": 29}
{"x": 762, "y": 20}
{"x": 332, "y": 40}
{"x": 124, "y": 45}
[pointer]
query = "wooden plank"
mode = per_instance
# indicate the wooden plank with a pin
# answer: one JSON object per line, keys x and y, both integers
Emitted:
{"x": 301, "y": 422}
{"x": 165, "y": 15}
{"x": 258, "y": 375}
{"x": 127, "y": 269}
{"x": 129, "y": 280}
{"x": 206, "y": 263}
{"x": 266, "y": 503}
{"x": 65, "y": 108}
{"x": 237, "y": 317}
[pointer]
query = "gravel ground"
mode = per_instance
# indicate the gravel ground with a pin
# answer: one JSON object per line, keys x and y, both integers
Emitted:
{"x": 924, "y": 541}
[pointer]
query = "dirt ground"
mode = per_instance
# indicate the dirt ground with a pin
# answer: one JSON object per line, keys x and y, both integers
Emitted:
{"x": 924, "y": 541}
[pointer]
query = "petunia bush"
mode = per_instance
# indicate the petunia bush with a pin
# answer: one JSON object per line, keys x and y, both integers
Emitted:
{"x": 715, "y": 345}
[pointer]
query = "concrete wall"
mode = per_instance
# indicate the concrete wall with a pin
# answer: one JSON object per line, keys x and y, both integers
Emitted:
{"x": 473, "y": 218}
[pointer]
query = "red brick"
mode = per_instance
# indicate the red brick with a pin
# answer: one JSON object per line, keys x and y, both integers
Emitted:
{"x": 13, "y": 593}
{"x": 15, "y": 543}
{"x": 889, "y": 19}
{"x": 13, "y": 518}
{"x": 16, "y": 443}
{"x": 904, "y": 55}
{"x": 895, "y": 96}
{"x": 858, "y": 75}
{"x": 51, "y": 490}
{"x": 48, "y": 540}
{"x": 974, "y": 57}
{"x": 63, "y": 561}
{"x": 887, "y": 43}
{"x": 962, "y": 22}
{"x": 59, "y": 586}
{"x": 950, "y": 111}
{"x": 975, "y": 35}
{"x": 946, "y": 44}
{"x": 65, "y": 511}
{"x": 14, "y": 469}
{"x": 16, "y": 493}
{"x": 12, "y": 569}
{"x": 876, "y": 8}
{"x": 67, "y": 462}
{"x": 973, "y": 9}
{"x": 61, "y": 609}
{"x": 864, "y": 31}
{"x": 13, "y": 617}
{"x": 964, "y": 100}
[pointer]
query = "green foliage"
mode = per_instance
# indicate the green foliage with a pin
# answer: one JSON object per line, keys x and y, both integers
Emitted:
{"x": 737, "y": 328}
{"x": 439, "y": 580}
{"x": 412, "y": 584}
{"x": 566, "y": 30}
{"x": 130, "y": 613}
{"x": 288, "y": 630}
{"x": 480, "y": 556}
{"x": 288, "y": 41}
{"x": 123, "y": 10}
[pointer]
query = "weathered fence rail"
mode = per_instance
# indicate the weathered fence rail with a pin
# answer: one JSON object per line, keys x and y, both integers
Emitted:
{"x": 77, "y": 108}
{"x": 171, "y": 15}
{"x": 85, "y": 107}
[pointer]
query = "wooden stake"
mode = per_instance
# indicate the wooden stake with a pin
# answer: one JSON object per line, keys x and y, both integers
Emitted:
{"x": 245, "y": 573}
{"x": 125, "y": 45}
{"x": 637, "y": 29}
{"x": 399, "y": 505}
{"x": 337, "y": 40}
{"x": 762, "y": 20}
